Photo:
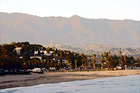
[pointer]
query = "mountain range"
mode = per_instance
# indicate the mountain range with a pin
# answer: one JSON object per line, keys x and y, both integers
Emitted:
{"x": 73, "y": 31}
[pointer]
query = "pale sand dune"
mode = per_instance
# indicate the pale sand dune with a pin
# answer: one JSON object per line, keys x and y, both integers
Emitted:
{"x": 9, "y": 81}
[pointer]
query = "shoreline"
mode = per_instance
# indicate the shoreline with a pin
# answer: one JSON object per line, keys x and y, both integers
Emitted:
{"x": 11, "y": 81}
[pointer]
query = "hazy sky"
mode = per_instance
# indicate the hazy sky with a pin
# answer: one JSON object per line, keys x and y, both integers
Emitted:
{"x": 110, "y": 9}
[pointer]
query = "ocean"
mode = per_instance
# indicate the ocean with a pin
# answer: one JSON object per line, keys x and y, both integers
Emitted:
{"x": 121, "y": 84}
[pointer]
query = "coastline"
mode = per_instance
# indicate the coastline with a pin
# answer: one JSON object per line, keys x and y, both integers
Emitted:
{"x": 10, "y": 81}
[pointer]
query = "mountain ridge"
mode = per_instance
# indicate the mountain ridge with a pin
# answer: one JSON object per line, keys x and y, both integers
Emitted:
{"x": 75, "y": 30}
{"x": 68, "y": 17}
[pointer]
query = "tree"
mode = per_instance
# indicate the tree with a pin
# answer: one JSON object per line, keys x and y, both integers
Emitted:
{"x": 70, "y": 58}
{"x": 99, "y": 59}
{"x": 125, "y": 61}
{"x": 89, "y": 63}
{"x": 121, "y": 61}
{"x": 94, "y": 61}
{"x": 75, "y": 63}
{"x": 53, "y": 63}
{"x": 82, "y": 59}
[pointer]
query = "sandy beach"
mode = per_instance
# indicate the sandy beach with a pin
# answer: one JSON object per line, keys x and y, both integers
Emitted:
{"x": 9, "y": 81}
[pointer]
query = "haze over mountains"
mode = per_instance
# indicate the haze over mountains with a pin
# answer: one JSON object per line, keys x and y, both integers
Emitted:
{"x": 74, "y": 31}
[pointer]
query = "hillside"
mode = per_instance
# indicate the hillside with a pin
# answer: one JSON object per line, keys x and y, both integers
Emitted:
{"x": 74, "y": 31}
{"x": 99, "y": 49}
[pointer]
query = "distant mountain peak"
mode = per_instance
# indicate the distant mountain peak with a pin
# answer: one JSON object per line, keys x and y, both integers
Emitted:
{"x": 75, "y": 16}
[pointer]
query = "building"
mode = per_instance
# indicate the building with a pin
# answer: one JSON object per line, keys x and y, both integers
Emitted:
{"x": 18, "y": 50}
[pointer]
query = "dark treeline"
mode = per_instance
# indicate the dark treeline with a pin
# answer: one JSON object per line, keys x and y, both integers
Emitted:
{"x": 23, "y": 55}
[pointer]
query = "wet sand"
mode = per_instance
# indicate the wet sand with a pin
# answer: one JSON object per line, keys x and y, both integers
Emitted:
{"x": 10, "y": 81}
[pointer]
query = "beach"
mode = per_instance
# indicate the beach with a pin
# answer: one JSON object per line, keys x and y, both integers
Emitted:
{"x": 10, "y": 81}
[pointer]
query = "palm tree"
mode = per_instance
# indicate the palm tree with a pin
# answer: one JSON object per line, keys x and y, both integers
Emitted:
{"x": 110, "y": 61}
{"x": 121, "y": 60}
{"x": 89, "y": 63}
{"x": 106, "y": 57}
{"x": 120, "y": 53}
{"x": 99, "y": 59}
{"x": 85, "y": 60}
{"x": 107, "y": 62}
{"x": 125, "y": 59}
{"x": 75, "y": 63}
{"x": 94, "y": 61}
{"x": 82, "y": 59}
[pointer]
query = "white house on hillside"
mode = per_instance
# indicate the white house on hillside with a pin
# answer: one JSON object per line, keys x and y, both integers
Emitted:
{"x": 18, "y": 50}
